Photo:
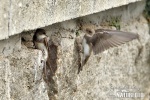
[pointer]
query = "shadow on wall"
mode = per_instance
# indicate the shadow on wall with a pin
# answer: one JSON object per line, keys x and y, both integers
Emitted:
{"x": 147, "y": 16}
{"x": 147, "y": 12}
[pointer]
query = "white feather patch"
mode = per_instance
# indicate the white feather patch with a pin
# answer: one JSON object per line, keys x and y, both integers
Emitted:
{"x": 86, "y": 48}
{"x": 42, "y": 47}
{"x": 41, "y": 36}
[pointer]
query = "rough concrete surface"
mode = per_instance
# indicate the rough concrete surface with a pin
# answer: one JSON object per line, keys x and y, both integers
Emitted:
{"x": 4, "y": 79}
{"x": 121, "y": 69}
{"x": 118, "y": 70}
{"x": 20, "y": 15}
{"x": 4, "y": 19}
{"x": 9, "y": 45}
{"x": 25, "y": 73}
{"x": 21, "y": 76}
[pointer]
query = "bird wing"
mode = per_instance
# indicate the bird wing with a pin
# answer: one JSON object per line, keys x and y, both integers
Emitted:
{"x": 103, "y": 39}
{"x": 34, "y": 40}
{"x": 46, "y": 42}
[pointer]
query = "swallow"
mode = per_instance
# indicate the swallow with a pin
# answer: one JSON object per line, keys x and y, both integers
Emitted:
{"x": 99, "y": 40}
{"x": 40, "y": 41}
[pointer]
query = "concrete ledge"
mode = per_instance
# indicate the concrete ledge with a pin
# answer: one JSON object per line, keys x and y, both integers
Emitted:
{"x": 4, "y": 19}
{"x": 27, "y": 15}
{"x": 10, "y": 45}
{"x": 125, "y": 67}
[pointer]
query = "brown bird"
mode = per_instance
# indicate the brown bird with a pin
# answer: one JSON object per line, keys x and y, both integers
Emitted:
{"x": 102, "y": 39}
{"x": 41, "y": 42}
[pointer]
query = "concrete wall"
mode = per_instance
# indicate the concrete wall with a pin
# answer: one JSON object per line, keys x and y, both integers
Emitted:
{"x": 19, "y": 72}
{"x": 125, "y": 67}
{"x": 21, "y": 15}
{"x": 4, "y": 20}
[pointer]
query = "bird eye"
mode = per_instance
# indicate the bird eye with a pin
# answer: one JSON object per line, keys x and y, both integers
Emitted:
{"x": 89, "y": 32}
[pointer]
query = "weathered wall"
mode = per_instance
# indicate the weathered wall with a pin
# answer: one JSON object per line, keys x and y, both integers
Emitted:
{"x": 21, "y": 76}
{"x": 4, "y": 19}
{"x": 4, "y": 79}
{"x": 20, "y": 15}
{"x": 9, "y": 45}
{"x": 123, "y": 67}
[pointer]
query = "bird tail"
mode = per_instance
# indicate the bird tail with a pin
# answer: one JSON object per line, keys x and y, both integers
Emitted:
{"x": 83, "y": 63}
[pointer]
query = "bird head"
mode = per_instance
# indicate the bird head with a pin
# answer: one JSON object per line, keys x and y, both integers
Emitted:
{"x": 39, "y": 34}
{"x": 88, "y": 29}
{"x": 89, "y": 32}
{"x": 40, "y": 31}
